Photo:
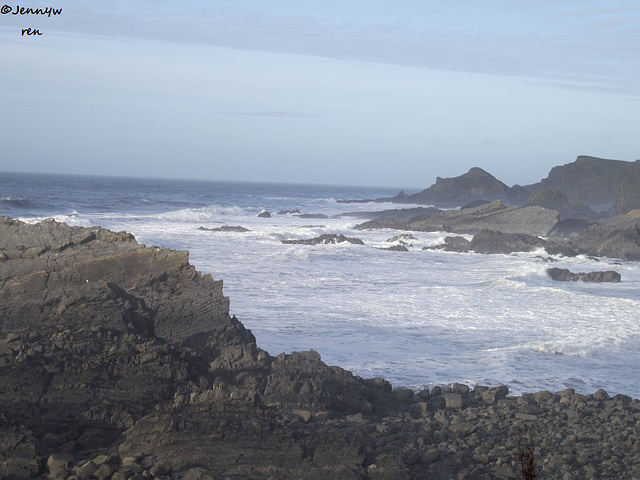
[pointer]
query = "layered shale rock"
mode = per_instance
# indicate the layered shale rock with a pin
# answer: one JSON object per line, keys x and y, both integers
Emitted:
{"x": 121, "y": 362}
{"x": 595, "y": 182}
{"x": 531, "y": 220}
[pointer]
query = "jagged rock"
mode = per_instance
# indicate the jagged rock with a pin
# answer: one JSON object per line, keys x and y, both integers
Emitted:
{"x": 226, "y": 228}
{"x": 452, "y": 244}
{"x": 558, "y": 201}
{"x": 379, "y": 223}
{"x": 488, "y": 241}
{"x": 564, "y": 275}
{"x": 264, "y": 214}
{"x": 627, "y": 192}
{"x": 476, "y": 184}
{"x": 590, "y": 180}
{"x": 617, "y": 237}
{"x": 324, "y": 239}
{"x": 395, "y": 248}
{"x": 401, "y": 238}
{"x": 569, "y": 227}
{"x": 140, "y": 373}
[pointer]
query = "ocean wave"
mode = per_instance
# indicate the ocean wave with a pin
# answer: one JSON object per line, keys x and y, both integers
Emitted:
{"x": 73, "y": 219}
{"x": 585, "y": 347}
{"x": 293, "y": 253}
{"x": 16, "y": 202}
{"x": 211, "y": 213}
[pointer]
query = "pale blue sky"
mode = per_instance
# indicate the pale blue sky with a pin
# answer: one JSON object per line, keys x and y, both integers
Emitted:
{"x": 357, "y": 92}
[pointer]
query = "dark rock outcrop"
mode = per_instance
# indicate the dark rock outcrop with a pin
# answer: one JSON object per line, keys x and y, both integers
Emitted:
{"x": 476, "y": 184}
{"x": 327, "y": 238}
{"x": 264, "y": 214}
{"x": 453, "y": 244}
{"x": 396, "y": 248}
{"x": 321, "y": 216}
{"x": 564, "y": 275}
{"x": 617, "y": 237}
{"x": 627, "y": 192}
{"x": 569, "y": 227}
{"x": 592, "y": 181}
{"x": 119, "y": 361}
{"x": 558, "y": 201}
{"x": 496, "y": 216}
{"x": 226, "y": 228}
{"x": 397, "y": 214}
{"x": 402, "y": 238}
{"x": 489, "y": 241}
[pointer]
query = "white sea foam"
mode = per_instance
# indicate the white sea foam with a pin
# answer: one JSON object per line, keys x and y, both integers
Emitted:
{"x": 417, "y": 318}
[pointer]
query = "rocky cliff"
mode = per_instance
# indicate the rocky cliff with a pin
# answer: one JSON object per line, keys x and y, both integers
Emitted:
{"x": 596, "y": 182}
{"x": 476, "y": 184}
{"x": 121, "y": 362}
{"x": 575, "y": 190}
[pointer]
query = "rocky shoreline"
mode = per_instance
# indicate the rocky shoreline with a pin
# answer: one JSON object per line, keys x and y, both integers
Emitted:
{"x": 120, "y": 361}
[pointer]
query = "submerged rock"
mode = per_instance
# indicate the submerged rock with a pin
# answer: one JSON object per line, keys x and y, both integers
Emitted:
{"x": 564, "y": 275}
{"x": 327, "y": 238}
{"x": 320, "y": 216}
{"x": 396, "y": 248}
{"x": 226, "y": 228}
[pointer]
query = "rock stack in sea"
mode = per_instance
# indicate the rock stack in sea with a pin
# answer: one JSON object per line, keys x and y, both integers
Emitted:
{"x": 119, "y": 361}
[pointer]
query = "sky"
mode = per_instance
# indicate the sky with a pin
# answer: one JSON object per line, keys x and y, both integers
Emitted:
{"x": 355, "y": 92}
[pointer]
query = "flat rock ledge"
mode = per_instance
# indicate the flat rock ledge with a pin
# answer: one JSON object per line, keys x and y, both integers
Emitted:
{"x": 121, "y": 362}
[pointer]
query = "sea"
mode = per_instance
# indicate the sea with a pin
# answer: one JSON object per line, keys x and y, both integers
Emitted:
{"x": 418, "y": 318}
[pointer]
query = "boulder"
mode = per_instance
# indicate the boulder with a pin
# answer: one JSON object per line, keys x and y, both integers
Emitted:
{"x": 564, "y": 275}
{"x": 488, "y": 241}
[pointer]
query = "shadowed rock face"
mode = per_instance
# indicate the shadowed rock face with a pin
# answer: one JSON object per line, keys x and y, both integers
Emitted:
{"x": 564, "y": 275}
{"x": 119, "y": 358}
{"x": 593, "y": 181}
{"x": 531, "y": 220}
{"x": 324, "y": 239}
{"x": 474, "y": 185}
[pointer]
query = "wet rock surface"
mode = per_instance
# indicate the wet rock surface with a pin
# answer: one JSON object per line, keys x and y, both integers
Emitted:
{"x": 327, "y": 238}
{"x": 564, "y": 275}
{"x": 121, "y": 362}
{"x": 226, "y": 228}
{"x": 531, "y": 220}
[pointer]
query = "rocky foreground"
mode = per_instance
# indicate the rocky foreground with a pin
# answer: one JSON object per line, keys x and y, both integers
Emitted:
{"x": 121, "y": 362}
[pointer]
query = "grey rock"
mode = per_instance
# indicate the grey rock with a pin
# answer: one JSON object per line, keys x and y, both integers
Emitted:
{"x": 564, "y": 275}
{"x": 325, "y": 239}
{"x": 226, "y": 228}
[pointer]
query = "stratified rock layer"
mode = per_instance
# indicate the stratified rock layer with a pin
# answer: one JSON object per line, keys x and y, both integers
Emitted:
{"x": 121, "y": 362}
{"x": 531, "y": 220}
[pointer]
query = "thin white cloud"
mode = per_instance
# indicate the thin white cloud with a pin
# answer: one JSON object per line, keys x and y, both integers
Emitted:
{"x": 594, "y": 42}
